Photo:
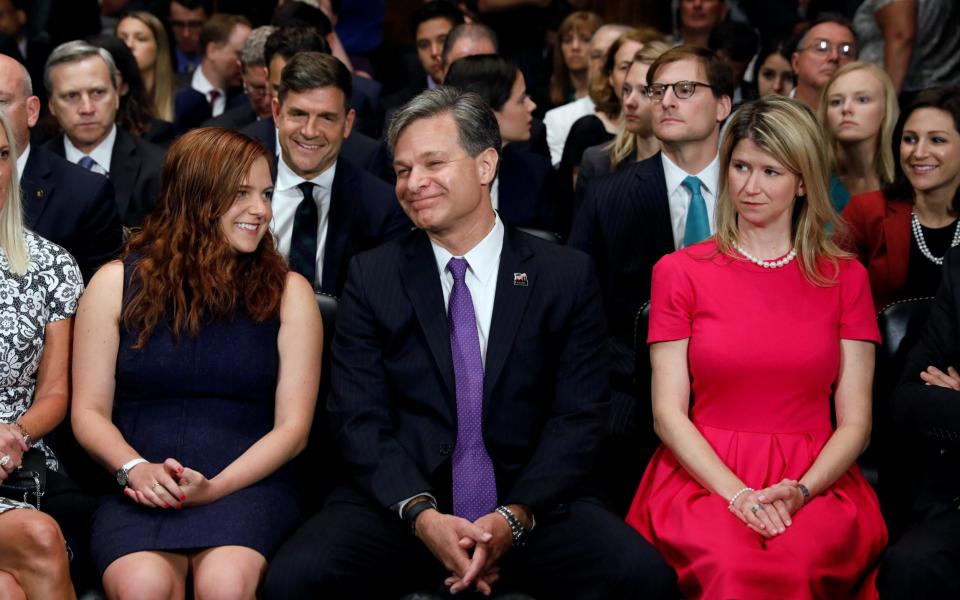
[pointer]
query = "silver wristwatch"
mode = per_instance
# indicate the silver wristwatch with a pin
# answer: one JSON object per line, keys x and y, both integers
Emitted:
{"x": 124, "y": 471}
{"x": 517, "y": 530}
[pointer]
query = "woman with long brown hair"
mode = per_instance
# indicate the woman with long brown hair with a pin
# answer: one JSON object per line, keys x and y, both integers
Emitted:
{"x": 144, "y": 34}
{"x": 196, "y": 375}
{"x": 569, "y": 80}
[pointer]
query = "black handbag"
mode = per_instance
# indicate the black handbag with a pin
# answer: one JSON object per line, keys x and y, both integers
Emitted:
{"x": 29, "y": 480}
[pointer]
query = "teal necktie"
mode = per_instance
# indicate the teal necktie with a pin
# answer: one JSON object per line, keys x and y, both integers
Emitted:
{"x": 697, "y": 228}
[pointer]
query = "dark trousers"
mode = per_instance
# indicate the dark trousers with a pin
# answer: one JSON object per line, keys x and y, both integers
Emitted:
{"x": 354, "y": 549}
{"x": 72, "y": 509}
{"x": 925, "y": 561}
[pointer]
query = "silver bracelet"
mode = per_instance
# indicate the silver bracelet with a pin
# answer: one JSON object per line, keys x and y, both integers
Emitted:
{"x": 738, "y": 494}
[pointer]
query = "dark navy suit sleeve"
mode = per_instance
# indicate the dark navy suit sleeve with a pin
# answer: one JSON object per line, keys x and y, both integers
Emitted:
{"x": 359, "y": 404}
{"x": 931, "y": 411}
{"x": 100, "y": 234}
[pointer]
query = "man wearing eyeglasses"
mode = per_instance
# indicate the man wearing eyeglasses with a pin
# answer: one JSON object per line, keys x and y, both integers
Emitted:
{"x": 186, "y": 18}
{"x": 827, "y": 45}
{"x": 636, "y": 215}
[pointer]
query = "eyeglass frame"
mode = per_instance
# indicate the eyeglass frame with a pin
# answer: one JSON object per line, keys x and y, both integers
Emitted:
{"x": 648, "y": 92}
{"x": 818, "y": 48}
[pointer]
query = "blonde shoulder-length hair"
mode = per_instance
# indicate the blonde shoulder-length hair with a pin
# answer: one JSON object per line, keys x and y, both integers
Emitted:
{"x": 883, "y": 160}
{"x": 788, "y": 131}
{"x": 12, "y": 234}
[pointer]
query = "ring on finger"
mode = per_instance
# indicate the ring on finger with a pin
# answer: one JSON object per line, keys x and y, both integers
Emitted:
{"x": 156, "y": 485}
{"x": 756, "y": 508}
{"x": 4, "y": 460}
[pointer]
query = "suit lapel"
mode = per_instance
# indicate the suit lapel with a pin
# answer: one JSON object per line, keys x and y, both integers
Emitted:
{"x": 338, "y": 232}
{"x": 36, "y": 186}
{"x": 422, "y": 284}
{"x": 653, "y": 203}
{"x": 509, "y": 304}
{"x": 124, "y": 167}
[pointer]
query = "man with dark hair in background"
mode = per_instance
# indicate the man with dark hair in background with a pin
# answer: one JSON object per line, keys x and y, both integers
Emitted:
{"x": 215, "y": 84}
{"x": 255, "y": 86}
{"x": 186, "y": 19}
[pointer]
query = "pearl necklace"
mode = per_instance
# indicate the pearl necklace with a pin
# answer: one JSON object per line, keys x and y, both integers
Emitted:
{"x": 922, "y": 243}
{"x": 768, "y": 264}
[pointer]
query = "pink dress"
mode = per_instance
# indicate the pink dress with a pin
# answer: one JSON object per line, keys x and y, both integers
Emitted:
{"x": 764, "y": 353}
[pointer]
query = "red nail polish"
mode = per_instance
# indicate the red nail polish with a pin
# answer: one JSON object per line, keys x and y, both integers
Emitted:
{"x": 165, "y": 505}
{"x": 183, "y": 497}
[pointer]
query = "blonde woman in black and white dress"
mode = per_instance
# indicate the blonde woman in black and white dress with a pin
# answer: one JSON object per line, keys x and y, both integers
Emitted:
{"x": 39, "y": 288}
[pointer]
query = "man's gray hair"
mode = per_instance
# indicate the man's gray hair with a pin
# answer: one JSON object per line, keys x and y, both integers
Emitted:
{"x": 477, "y": 127}
{"x": 251, "y": 55}
{"x": 75, "y": 51}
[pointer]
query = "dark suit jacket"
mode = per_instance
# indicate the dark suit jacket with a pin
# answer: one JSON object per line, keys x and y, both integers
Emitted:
{"x": 624, "y": 224}
{"x": 927, "y": 417}
{"x": 545, "y": 385}
{"x": 364, "y": 213}
{"x": 879, "y": 234}
{"x": 191, "y": 108}
{"x": 234, "y": 119}
{"x": 135, "y": 173}
{"x": 361, "y": 150}
{"x": 72, "y": 207}
{"x": 365, "y": 99}
{"x": 595, "y": 163}
{"x": 527, "y": 190}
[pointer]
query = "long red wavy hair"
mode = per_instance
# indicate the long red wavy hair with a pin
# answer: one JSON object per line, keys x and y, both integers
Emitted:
{"x": 186, "y": 269}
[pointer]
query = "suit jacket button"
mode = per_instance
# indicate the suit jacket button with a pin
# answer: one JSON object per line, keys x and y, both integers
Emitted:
{"x": 446, "y": 449}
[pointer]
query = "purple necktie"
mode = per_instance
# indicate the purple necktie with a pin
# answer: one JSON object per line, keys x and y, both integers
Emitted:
{"x": 474, "y": 484}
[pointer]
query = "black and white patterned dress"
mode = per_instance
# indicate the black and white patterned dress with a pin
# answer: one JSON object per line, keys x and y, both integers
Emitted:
{"x": 46, "y": 293}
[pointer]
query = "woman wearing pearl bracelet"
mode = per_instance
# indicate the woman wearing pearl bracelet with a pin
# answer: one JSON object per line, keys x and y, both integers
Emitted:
{"x": 753, "y": 493}
{"x": 902, "y": 233}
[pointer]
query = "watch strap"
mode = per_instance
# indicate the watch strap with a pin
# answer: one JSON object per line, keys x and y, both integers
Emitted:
{"x": 414, "y": 511}
{"x": 517, "y": 531}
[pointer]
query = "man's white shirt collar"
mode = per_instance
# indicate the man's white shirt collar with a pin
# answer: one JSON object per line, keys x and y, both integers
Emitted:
{"x": 483, "y": 259}
{"x": 287, "y": 179}
{"x": 709, "y": 177}
{"x": 101, "y": 154}
{"x": 22, "y": 161}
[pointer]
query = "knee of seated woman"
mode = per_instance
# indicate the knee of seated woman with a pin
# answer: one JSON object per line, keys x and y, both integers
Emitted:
{"x": 40, "y": 539}
{"x": 225, "y": 584}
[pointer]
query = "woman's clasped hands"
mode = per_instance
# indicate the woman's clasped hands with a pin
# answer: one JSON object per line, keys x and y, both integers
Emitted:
{"x": 769, "y": 511}
{"x": 168, "y": 485}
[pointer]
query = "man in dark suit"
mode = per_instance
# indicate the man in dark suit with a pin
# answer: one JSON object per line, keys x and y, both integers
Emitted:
{"x": 325, "y": 210}
{"x": 362, "y": 151}
{"x": 62, "y": 202}
{"x": 81, "y": 80}
{"x": 215, "y": 85}
{"x": 14, "y": 42}
{"x": 257, "y": 104}
{"x": 926, "y": 414}
{"x": 634, "y": 216}
{"x": 469, "y": 388}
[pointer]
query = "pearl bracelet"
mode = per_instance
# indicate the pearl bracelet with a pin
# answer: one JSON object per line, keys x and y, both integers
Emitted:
{"x": 738, "y": 494}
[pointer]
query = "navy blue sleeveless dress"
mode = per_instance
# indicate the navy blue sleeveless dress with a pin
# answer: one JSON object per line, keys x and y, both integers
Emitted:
{"x": 204, "y": 401}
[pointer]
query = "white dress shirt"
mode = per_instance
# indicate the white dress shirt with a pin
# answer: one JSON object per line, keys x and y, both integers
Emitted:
{"x": 286, "y": 198}
{"x": 558, "y": 122}
{"x": 22, "y": 162}
{"x": 481, "y": 279}
{"x": 203, "y": 85}
{"x": 678, "y": 196}
{"x": 101, "y": 154}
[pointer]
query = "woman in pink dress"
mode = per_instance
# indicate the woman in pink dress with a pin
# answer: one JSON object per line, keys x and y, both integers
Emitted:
{"x": 754, "y": 493}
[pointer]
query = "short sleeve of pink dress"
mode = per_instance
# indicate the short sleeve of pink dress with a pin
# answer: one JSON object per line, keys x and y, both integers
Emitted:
{"x": 763, "y": 354}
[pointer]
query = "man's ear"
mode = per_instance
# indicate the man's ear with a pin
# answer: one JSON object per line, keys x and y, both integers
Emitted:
{"x": 275, "y": 105}
{"x": 724, "y": 105}
{"x": 487, "y": 165}
{"x": 351, "y": 117}
{"x": 33, "y": 111}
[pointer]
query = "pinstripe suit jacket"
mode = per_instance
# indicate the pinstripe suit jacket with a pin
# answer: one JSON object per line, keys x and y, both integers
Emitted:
{"x": 624, "y": 224}
{"x": 393, "y": 401}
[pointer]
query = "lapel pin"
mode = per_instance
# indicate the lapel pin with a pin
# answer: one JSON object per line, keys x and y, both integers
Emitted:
{"x": 520, "y": 279}
{"x": 39, "y": 194}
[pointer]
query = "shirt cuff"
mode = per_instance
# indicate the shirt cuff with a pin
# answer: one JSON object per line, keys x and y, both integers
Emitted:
{"x": 403, "y": 503}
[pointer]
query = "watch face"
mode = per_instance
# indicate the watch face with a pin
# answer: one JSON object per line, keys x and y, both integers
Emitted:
{"x": 122, "y": 477}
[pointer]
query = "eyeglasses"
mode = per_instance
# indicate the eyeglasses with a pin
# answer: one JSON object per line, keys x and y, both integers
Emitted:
{"x": 681, "y": 89}
{"x": 825, "y": 47}
{"x": 178, "y": 24}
